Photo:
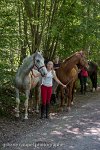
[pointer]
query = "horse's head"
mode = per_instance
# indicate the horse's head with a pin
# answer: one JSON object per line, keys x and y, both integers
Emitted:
{"x": 82, "y": 59}
{"x": 39, "y": 63}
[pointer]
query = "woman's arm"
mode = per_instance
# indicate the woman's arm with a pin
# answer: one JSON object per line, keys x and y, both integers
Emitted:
{"x": 58, "y": 81}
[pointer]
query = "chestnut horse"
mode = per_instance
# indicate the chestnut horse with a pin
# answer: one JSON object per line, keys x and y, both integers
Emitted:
{"x": 68, "y": 74}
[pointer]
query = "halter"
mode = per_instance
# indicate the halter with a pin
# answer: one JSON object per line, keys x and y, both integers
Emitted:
{"x": 38, "y": 68}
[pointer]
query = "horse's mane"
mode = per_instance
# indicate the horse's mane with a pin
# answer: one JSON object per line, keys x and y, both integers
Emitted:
{"x": 67, "y": 59}
{"x": 25, "y": 59}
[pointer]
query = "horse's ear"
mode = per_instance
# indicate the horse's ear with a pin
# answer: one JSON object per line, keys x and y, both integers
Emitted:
{"x": 38, "y": 52}
{"x": 34, "y": 55}
{"x": 81, "y": 53}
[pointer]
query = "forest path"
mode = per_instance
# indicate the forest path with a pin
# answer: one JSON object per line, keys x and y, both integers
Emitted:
{"x": 77, "y": 130}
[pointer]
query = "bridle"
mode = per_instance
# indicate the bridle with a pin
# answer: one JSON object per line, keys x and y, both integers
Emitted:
{"x": 38, "y": 68}
{"x": 82, "y": 56}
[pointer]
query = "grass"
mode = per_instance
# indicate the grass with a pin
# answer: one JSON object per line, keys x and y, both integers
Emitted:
{"x": 7, "y": 98}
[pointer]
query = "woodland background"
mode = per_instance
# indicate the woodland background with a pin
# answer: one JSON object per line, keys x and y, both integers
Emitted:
{"x": 55, "y": 27}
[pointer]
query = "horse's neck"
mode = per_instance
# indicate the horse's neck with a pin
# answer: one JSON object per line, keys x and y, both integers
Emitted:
{"x": 69, "y": 63}
{"x": 26, "y": 67}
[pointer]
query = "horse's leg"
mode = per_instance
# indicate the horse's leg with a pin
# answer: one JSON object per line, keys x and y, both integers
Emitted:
{"x": 92, "y": 80}
{"x": 62, "y": 96}
{"x": 69, "y": 97}
{"x": 57, "y": 92}
{"x": 95, "y": 80}
{"x": 31, "y": 101}
{"x": 73, "y": 93}
{"x": 17, "y": 102}
{"x": 27, "y": 92}
{"x": 84, "y": 85}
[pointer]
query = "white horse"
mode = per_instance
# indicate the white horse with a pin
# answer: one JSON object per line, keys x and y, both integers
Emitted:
{"x": 24, "y": 80}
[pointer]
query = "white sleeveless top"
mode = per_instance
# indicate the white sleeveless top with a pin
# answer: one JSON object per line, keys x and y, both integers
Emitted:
{"x": 48, "y": 80}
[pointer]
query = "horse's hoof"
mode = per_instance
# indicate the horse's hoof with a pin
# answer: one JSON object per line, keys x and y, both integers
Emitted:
{"x": 93, "y": 90}
{"x": 16, "y": 110}
{"x": 72, "y": 103}
{"x": 17, "y": 115}
{"x": 30, "y": 110}
{"x": 75, "y": 90}
{"x": 26, "y": 117}
{"x": 37, "y": 111}
{"x": 68, "y": 109}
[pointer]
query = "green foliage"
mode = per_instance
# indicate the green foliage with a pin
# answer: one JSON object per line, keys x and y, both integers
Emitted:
{"x": 55, "y": 27}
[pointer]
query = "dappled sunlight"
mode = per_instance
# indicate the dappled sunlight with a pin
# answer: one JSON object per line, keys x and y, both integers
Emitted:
{"x": 71, "y": 147}
{"x": 76, "y": 130}
{"x": 80, "y": 128}
{"x": 67, "y": 117}
{"x": 73, "y": 130}
{"x": 92, "y": 131}
{"x": 55, "y": 125}
{"x": 56, "y": 133}
{"x": 68, "y": 126}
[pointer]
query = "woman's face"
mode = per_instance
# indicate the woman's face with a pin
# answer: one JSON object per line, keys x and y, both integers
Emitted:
{"x": 50, "y": 65}
{"x": 56, "y": 59}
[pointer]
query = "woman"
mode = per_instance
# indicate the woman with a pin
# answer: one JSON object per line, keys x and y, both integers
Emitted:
{"x": 56, "y": 63}
{"x": 83, "y": 79}
{"x": 46, "y": 88}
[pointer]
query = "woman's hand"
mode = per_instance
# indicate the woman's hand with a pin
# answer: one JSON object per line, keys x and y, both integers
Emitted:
{"x": 58, "y": 81}
{"x": 64, "y": 85}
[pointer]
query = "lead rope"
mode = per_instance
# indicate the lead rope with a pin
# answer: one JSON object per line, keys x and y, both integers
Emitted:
{"x": 69, "y": 82}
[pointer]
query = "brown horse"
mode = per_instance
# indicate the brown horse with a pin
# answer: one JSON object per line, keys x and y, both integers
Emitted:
{"x": 68, "y": 74}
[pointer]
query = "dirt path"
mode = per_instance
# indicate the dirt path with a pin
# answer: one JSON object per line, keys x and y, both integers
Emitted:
{"x": 76, "y": 130}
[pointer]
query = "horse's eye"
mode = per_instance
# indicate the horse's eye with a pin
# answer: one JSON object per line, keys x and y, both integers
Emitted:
{"x": 38, "y": 61}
